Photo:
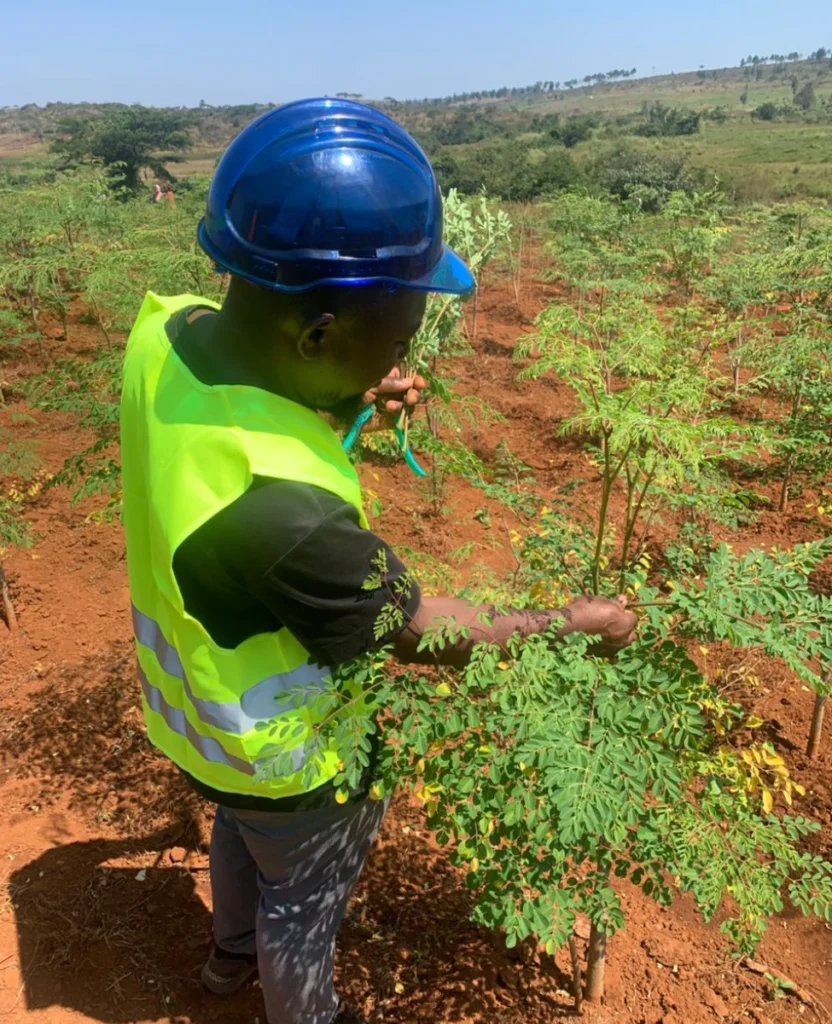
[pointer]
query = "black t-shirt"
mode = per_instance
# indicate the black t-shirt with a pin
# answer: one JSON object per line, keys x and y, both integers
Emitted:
{"x": 291, "y": 555}
{"x": 283, "y": 555}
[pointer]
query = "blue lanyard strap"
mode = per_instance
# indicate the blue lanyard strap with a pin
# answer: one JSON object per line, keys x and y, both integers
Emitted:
{"x": 364, "y": 417}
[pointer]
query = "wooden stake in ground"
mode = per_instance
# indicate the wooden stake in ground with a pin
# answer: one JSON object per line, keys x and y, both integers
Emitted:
{"x": 6, "y": 601}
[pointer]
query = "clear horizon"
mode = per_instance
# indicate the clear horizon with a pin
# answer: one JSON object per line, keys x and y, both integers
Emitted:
{"x": 194, "y": 52}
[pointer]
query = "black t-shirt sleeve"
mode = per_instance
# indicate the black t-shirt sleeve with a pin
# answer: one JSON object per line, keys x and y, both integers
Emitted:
{"x": 301, "y": 553}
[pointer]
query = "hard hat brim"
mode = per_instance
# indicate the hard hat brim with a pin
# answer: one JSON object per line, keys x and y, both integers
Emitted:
{"x": 450, "y": 275}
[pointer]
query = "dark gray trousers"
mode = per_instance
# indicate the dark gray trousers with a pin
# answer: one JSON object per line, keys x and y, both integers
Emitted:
{"x": 280, "y": 884}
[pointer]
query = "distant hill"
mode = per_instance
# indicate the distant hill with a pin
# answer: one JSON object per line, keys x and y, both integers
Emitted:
{"x": 744, "y": 123}
{"x": 618, "y": 91}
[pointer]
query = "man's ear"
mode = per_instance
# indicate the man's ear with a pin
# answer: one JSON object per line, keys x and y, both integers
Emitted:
{"x": 312, "y": 340}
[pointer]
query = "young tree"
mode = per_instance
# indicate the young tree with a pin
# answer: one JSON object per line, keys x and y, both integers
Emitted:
{"x": 126, "y": 141}
{"x": 805, "y": 97}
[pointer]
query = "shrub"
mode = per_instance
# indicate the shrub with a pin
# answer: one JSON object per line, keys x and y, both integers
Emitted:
{"x": 647, "y": 177}
{"x": 765, "y": 112}
{"x": 668, "y": 121}
{"x": 507, "y": 170}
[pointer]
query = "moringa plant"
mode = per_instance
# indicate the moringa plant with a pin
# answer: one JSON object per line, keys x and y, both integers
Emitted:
{"x": 549, "y": 772}
{"x": 648, "y": 408}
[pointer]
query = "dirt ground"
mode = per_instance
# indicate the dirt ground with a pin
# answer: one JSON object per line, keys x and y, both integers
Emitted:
{"x": 104, "y": 891}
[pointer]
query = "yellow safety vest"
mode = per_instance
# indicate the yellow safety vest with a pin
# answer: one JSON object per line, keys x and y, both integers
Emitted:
{"x": 188, "y": 450}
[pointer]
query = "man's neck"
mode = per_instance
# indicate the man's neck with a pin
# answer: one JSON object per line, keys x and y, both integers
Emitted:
{"x": 238, "y": 351}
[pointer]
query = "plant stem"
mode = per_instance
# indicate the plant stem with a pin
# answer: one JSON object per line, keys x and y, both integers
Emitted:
{"x": 6, "y": 601}
{"x": 596, "y": 962}
{"x": 98, "y": 317}
{"x": 33, "y": 310}
{"x": 577, "y": 992}
{"x": 784, "y": 490}
{"x": 816, "y": 728}
{"x": 474, "y": 318}
{"x": 602, "y": 516}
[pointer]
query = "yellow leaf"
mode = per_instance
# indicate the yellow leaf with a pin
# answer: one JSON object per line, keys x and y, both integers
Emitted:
{"x": 704, "y": 650}
{"x": 821, "y": 510}
{"x": 474, "y": 865}
{"x": 772, "y": 759}
{"x": 431, "y": 807}
{"x": 443, "y": 690}
{"x": 787, "y": 796}
{"x": 768, "y": 800}
{"x": 375, "y": 792}
{"x": 754, "y": 722}
{"x": 746, "y": 756}
{"x": 798, "y": 788}
{"x": 398, "y": 988}
{"x": 503, "y": 665}
{"x": 341, "y": 796}
{"x": 420, "y": 766}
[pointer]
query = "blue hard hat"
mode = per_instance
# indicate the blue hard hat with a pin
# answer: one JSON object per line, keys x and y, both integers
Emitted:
{"x": 329, "y": 191}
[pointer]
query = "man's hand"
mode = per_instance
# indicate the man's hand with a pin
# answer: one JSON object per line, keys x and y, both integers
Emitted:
{"x": 391, "y": 395}
{"x": 603, "y": 617}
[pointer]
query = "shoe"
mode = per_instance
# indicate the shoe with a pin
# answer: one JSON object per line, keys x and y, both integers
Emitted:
{"x": 226, "y": 972}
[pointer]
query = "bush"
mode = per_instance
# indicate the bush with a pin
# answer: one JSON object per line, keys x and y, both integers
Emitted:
{"x": 576, "y": 129}
{"x": 718, "y": 114}
{"x": 668, "y": 121}
{"x": 507, "y": 170}
{"x": 646, "y": 177}
{"x": 765, "y": 112}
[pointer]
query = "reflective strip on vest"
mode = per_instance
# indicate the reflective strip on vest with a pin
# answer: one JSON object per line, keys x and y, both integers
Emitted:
{"x": 206, "y": 746}
{"x": 257, "y": 704}
{"x": 176, "y": 721}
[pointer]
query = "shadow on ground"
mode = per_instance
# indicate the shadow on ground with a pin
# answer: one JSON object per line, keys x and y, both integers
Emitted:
{"x": 82, "y": 734}
{"x": 98, "y": 936}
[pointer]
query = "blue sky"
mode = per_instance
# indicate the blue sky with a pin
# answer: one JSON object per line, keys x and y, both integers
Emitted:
{"x": 180, "y": 51}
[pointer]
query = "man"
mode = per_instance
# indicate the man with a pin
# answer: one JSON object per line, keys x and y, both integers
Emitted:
{"x": 247, "y": 546}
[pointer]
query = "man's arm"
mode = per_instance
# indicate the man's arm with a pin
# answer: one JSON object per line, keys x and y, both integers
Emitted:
{"x": 597, "y": 616}
{"x": 303, "y": 555}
